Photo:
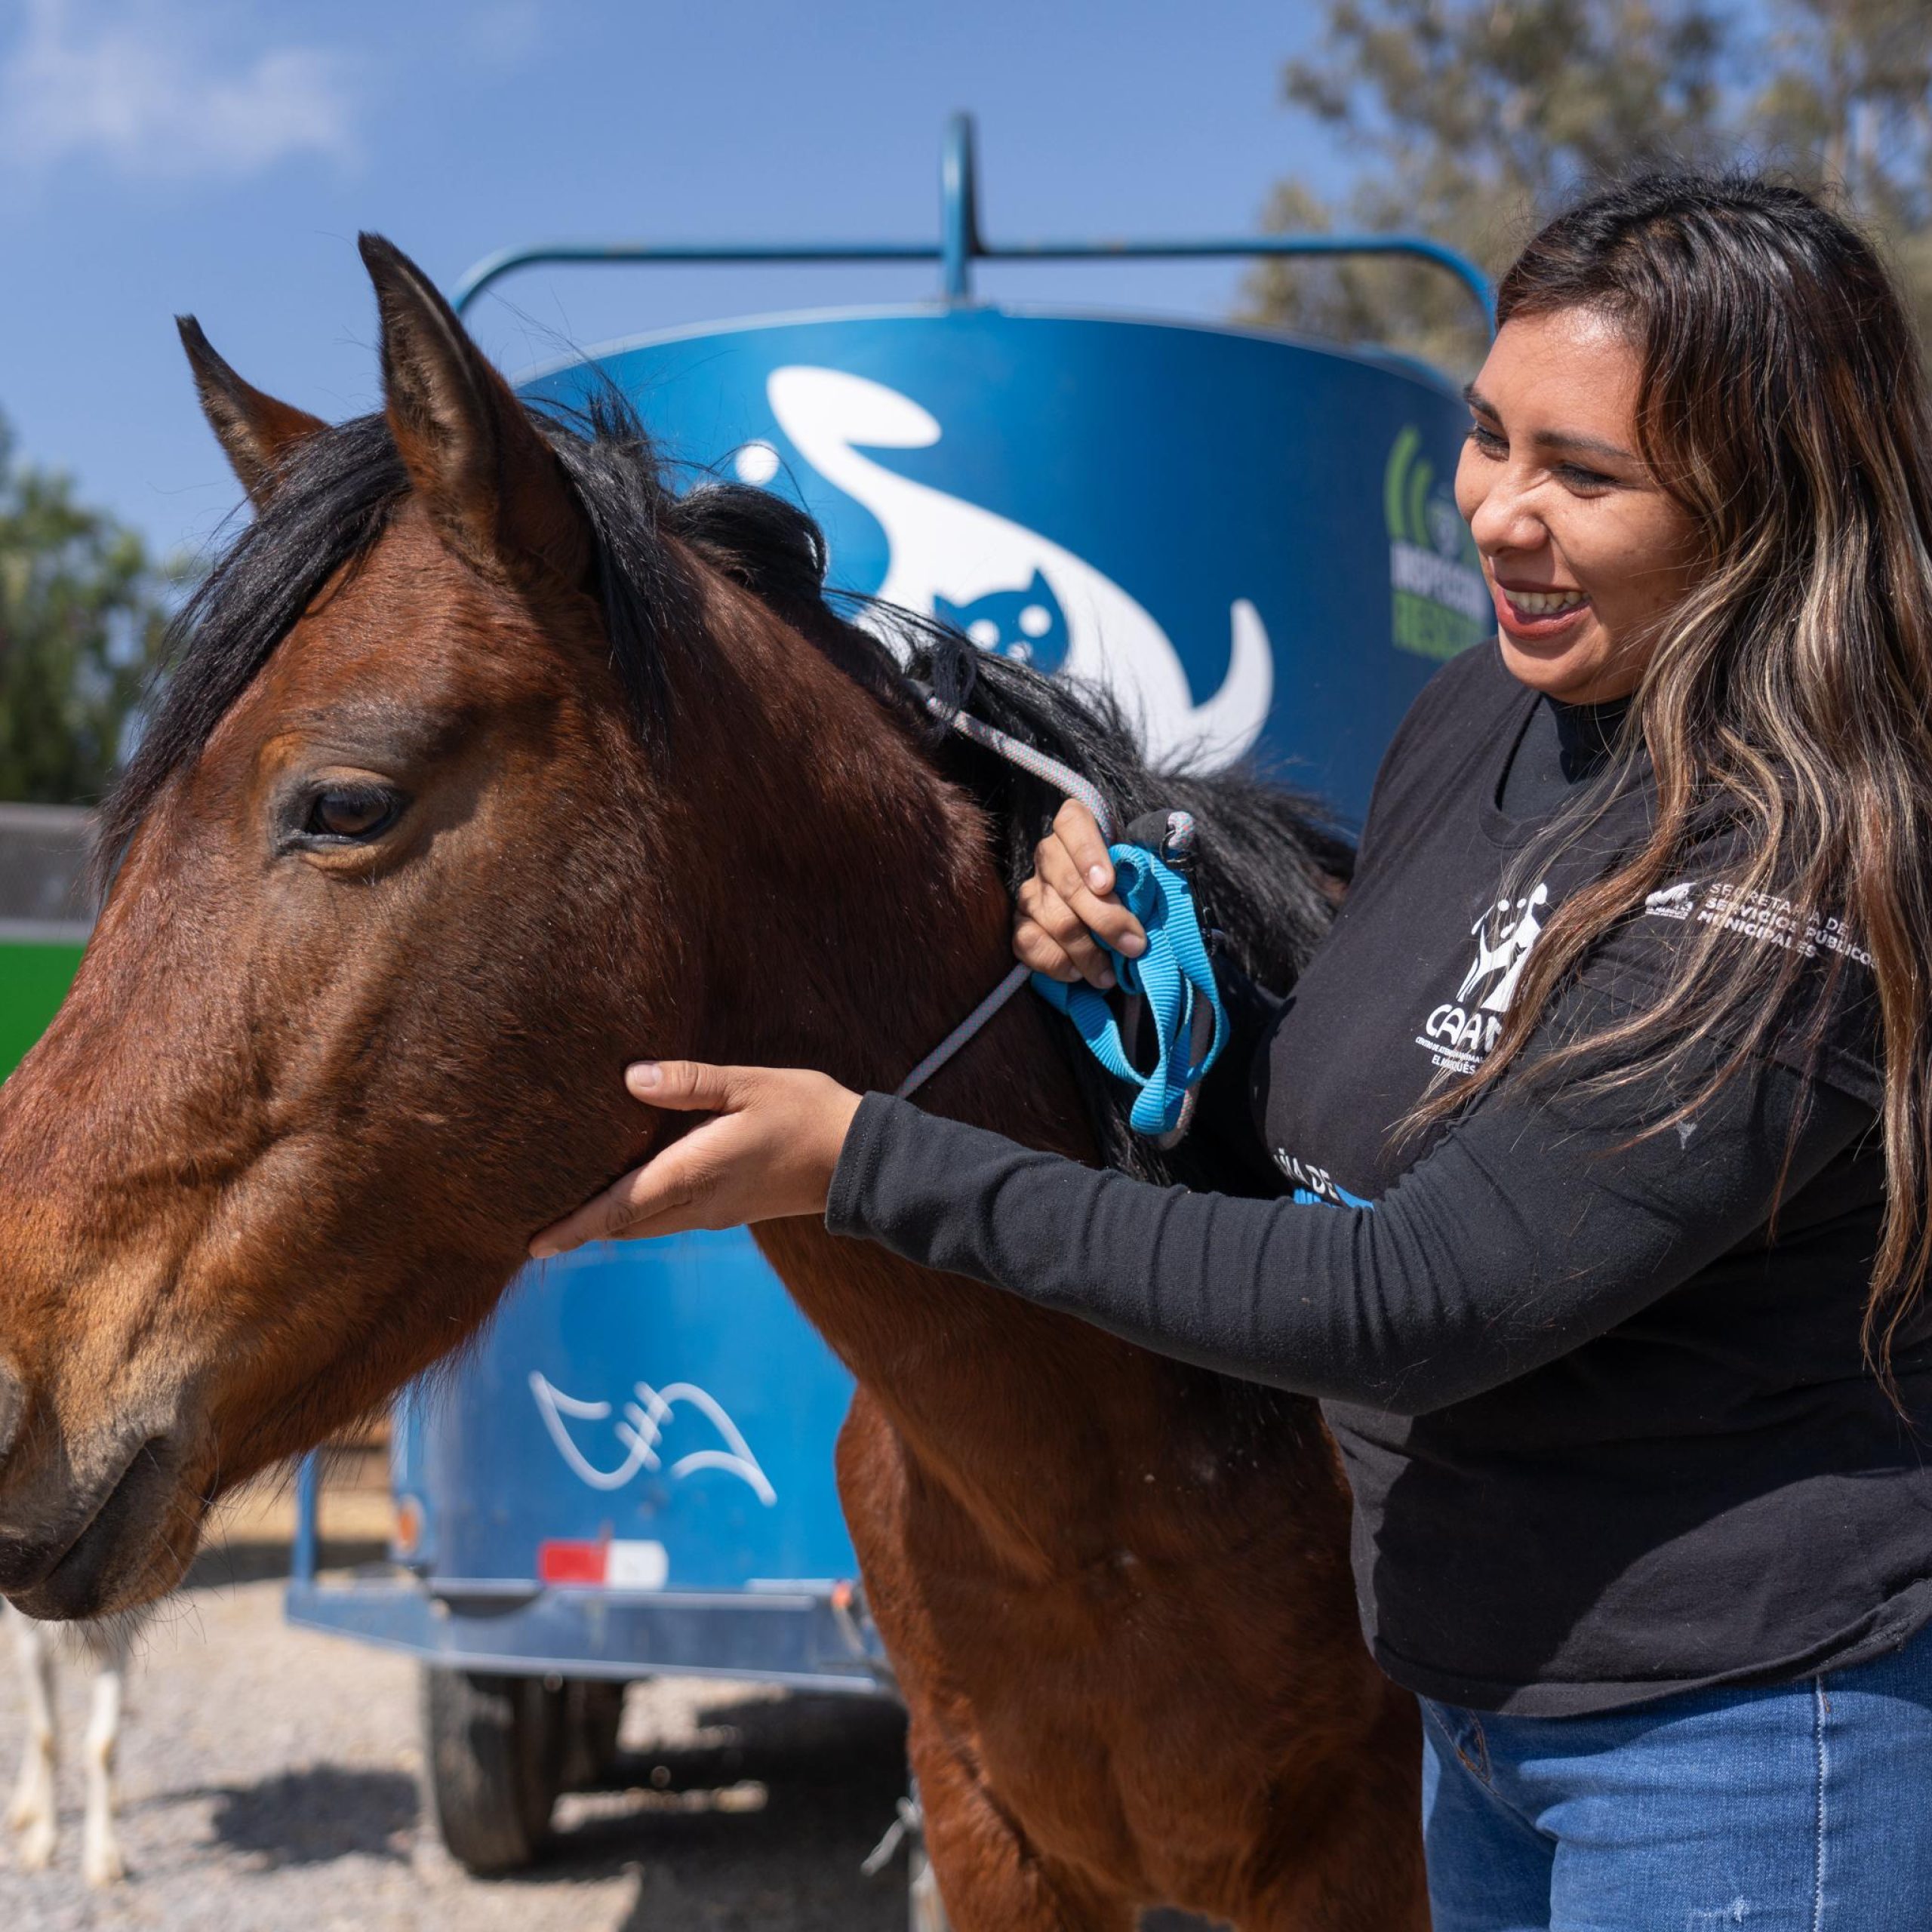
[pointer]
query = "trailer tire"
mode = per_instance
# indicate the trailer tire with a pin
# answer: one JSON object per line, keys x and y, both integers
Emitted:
{"x": 592, "y": 1708}
{"x": 492, "y": 1750}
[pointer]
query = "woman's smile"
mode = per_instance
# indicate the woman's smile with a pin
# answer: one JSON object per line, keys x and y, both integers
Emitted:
{"x": 1535, "y": 615}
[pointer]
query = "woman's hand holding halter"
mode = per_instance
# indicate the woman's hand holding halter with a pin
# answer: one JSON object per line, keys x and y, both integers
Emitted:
{"x": 1068, "y": 904}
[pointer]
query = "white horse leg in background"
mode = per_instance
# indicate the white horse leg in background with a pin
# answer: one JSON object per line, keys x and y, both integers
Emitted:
{"x": 31, "y": 1813}
{"x": 108, "y": 1647}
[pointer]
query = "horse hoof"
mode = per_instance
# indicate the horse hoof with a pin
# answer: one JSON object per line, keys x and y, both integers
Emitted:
{"x": 103, "y": 1866}
{"x": 36, "y": 1852}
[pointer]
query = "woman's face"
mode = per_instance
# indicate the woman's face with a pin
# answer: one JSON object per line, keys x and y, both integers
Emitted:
{"x": 1584, "y": 553}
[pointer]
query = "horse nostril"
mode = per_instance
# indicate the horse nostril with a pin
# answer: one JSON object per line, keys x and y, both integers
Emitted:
{"x": 13, "y": 1408}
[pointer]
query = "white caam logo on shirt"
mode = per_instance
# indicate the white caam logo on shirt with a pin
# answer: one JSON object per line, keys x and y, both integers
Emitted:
{"x": 1461, "y": 1031}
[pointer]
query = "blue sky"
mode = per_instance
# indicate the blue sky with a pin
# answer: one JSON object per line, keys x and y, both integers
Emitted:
{"x": 158, "y": 155}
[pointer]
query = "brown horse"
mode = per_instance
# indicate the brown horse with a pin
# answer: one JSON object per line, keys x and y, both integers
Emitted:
{"x": 488, "y": 764}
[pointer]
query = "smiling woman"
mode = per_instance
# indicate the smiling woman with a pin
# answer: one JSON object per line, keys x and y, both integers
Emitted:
{"x": 1606, "y": 1248}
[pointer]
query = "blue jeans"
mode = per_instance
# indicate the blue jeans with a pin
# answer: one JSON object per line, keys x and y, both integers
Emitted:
{"x": 1803, "y": 1807}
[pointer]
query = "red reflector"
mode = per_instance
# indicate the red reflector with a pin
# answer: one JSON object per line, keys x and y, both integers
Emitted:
{"x": 561, "y": 1562}
{"x": 408, "y": 1534}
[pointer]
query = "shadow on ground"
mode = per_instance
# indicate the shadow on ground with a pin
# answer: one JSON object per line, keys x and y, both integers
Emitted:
{"x": 312, "y": 1817}
{"x": 765, "y": 1827}
{"x": 819, "y": 1780}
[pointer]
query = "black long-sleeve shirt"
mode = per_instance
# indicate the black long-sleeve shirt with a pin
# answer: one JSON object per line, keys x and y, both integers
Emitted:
{"x": 1606, "y": 1415}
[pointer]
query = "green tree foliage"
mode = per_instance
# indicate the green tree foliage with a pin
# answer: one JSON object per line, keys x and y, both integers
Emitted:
{"x": 1472, "y": 120}
{"x": 1847, "y": 95}
{"x": 82, "y": 611}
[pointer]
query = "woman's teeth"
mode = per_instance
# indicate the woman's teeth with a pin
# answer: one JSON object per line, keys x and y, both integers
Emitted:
{"x": 1545, "y": 603}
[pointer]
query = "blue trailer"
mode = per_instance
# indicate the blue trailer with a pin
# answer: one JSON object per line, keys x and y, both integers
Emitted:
{"x": 1252, "y": 540}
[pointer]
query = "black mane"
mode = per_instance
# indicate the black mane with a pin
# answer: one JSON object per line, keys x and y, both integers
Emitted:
{"x": 1268, "y": 857}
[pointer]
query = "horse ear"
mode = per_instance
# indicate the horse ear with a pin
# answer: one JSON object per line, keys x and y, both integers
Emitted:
{"x": 492, "y": 484}
{"x": 255, "y": 431}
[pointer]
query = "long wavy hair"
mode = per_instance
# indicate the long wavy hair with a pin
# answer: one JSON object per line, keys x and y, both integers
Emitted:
{"x": 1789, "y": 702}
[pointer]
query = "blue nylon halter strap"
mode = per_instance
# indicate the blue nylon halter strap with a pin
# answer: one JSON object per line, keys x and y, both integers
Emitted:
{"x": 1174, "y": 978}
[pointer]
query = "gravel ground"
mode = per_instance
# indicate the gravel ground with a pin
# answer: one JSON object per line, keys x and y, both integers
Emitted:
{"x": 268, "y": 1784}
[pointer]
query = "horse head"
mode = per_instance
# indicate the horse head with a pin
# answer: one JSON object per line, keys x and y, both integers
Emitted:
{"x": 468, "y": 769}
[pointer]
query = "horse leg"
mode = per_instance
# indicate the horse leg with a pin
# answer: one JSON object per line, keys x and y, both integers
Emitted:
{"x": 990, "y": 1880}
{"x": 32, "y": 1813}
{"x": 101, "y": 1862}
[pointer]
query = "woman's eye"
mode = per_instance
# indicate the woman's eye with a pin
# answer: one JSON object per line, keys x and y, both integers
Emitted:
{"x": 1579, "y": 478}
{"x": 1486, "y": 440}
{"x": 349, "y": 812}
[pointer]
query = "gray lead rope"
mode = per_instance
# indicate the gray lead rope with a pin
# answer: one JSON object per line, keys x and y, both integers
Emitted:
{"x": 964, "y": 1031}
{"x": 1050, "y": 771}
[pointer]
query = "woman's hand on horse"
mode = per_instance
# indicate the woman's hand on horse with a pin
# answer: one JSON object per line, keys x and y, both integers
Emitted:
{"x": 1069, "y": 903}
{"x": 770, "y": 1152}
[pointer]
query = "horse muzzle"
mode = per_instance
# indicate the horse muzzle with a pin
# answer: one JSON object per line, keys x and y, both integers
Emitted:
{"x": 81, "y": 1535}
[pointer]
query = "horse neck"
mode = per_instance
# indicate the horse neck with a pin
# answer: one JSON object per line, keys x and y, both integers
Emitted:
{"x": 881, "y": 923}
{"x": 852, "y": 912}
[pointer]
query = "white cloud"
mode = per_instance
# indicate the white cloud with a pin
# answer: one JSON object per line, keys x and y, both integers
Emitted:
{"x": 138, "y": 86}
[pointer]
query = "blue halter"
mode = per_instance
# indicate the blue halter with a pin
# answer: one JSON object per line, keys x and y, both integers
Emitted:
{"x": 1175, "y": 979}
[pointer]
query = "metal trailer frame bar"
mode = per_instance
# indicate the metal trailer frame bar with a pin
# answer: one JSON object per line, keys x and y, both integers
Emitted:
{"x": 810, "y": 1634}
{"x": 798, "y": 1637}
{"x": 960, "y": 244}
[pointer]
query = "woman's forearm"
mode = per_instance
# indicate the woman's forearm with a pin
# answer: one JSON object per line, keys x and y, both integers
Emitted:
{"x": 1530, "y": 1227}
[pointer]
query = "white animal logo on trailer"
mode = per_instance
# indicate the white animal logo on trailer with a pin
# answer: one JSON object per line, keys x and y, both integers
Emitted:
{"x": 640, "y": 1427}
{"x": 942, "y": 547}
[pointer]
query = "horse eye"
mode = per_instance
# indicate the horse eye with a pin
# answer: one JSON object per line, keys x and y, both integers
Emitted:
{"x": 351, "y": 813}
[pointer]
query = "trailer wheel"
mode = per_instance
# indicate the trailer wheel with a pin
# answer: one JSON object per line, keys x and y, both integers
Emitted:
{"x": 592, "y": 1708}
{"x": 493, "y": 1758}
